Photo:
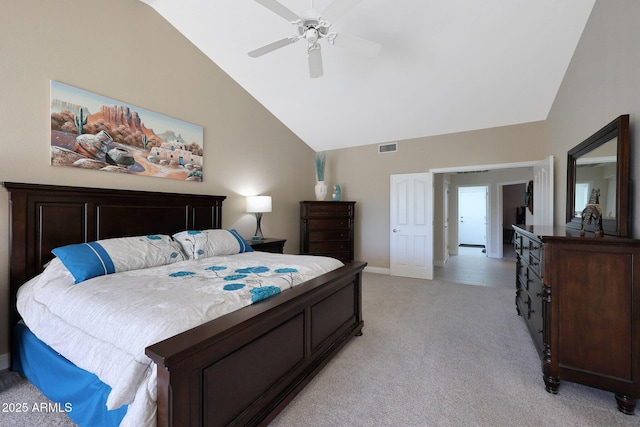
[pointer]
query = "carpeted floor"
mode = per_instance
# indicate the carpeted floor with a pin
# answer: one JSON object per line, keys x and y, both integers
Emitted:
{"x": 22, "y": 405}
{"x": 433, "y": 353}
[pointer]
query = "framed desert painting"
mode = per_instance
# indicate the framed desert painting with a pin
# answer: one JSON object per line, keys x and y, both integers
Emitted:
{"x": 94, "y": 132}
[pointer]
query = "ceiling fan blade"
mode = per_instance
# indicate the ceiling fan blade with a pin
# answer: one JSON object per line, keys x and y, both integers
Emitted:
{"x": 315, "y": 61}
{"x": 337, "y": 9}
{"x": 279, "y": 9}
{"x": 272, "y": 46}
{"x": 356, "y": 44}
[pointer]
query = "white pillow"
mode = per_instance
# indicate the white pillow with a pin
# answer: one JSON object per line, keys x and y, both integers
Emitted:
{"x": 87, "y": 260}
{"x": 207, "y": 243}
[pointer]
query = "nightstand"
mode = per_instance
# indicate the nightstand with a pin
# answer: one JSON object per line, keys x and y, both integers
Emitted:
{"x": 273, "y": 245}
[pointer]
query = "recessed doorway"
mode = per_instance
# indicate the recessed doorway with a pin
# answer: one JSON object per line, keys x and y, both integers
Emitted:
{"x": 472, "y": 216}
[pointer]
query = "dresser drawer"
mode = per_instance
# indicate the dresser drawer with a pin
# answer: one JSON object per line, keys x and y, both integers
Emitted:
{"x": 524, "y": 250}
{"x": 535, "y": 249}
{"x": 535, "y": 263}
{"x": 329, "y": 235}
{"x": 535, "y": 324}
{"x": 325, "y": 247}
{"x": 517, "y": 243}
{"x": 535, "y": 286}
{"x": 522, "y": 303}
{"x": 328, "y": 224}
{"x": 328, "y": 209}
{"x": 521, "y": 274}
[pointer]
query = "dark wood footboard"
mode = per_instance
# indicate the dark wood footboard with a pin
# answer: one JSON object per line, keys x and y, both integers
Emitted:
{"x": 243, "y": 368}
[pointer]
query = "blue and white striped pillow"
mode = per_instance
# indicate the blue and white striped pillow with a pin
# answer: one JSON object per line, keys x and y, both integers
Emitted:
{"x": 87, "y": 260}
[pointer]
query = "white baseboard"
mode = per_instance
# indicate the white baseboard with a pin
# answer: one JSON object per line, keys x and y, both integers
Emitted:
{"x": 377, "y": 270}
{"x": 5, "y": 360}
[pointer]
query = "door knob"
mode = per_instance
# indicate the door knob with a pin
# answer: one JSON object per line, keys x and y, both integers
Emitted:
{"x": 395, "y": 230}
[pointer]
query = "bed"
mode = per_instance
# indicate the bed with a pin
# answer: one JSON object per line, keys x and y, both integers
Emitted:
{"x": 198, "y": 370}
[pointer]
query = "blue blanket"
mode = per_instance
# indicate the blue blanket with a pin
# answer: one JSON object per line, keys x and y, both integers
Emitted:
{"x": 78, "y": 392}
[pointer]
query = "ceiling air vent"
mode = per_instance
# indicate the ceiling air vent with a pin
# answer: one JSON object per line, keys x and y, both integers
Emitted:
{"x": 388, "y": 148}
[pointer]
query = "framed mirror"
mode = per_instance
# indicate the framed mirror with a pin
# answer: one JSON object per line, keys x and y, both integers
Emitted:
{"x": 601, "y": 162}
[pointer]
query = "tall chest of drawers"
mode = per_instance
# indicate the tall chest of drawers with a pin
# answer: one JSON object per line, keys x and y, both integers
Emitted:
{"x": 579, "y": 300}
{"x": 326, "y": 228}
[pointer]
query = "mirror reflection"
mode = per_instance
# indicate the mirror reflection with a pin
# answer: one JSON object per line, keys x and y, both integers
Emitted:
{"x": 597, "y": 170}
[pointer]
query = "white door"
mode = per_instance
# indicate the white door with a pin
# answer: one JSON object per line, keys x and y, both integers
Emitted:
{"x": 472, "y": 215}
{"x": 411, "y": 220}
{"x": 543, "y": 192}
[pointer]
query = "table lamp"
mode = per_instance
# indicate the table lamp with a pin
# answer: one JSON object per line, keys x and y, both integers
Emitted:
{"x": 258, "y": 205}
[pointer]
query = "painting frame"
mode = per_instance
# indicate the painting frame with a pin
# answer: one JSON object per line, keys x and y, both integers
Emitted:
{"x": 92, "y": 131}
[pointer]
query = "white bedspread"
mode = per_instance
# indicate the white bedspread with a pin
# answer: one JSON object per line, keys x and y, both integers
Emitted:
{"x": 104, "y": 324}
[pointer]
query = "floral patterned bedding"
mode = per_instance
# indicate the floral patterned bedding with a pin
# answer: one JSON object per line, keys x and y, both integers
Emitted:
{"x": 104, "y": 324}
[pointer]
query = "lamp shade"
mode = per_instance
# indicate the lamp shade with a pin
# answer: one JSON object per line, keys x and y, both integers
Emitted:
{"x": 259, "y": 204}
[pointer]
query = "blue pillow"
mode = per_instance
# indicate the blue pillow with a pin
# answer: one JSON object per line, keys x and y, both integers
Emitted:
{"x": 244, "y": 246}
{"x": 85, "y": 260}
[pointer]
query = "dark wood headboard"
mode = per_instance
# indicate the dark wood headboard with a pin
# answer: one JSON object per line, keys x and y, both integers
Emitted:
{"x": 44, "y": 217}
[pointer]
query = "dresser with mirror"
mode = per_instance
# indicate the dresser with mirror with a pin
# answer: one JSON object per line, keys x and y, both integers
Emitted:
{"x": 577, "y": 285}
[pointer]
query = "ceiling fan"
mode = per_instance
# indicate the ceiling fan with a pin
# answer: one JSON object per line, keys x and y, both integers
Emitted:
{"x": 313, "y": 26}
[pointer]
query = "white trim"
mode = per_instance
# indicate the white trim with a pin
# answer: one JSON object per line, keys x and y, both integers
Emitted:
{"x": 595, "y": 160}
{"x": 5, "y": 360}
{"x": 494, "y": 166}
{"x": 376, "y": 270}
{"x": 485, "y": 167}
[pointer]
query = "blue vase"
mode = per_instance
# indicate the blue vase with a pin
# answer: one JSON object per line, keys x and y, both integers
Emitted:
{"x": 337, "y": 193}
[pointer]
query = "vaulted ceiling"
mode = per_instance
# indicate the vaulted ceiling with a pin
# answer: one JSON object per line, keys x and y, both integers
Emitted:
{"x": 445, "y": 65}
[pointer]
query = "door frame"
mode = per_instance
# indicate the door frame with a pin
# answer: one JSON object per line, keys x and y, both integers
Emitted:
{"x": 495, "y": 166}
{"x": 486, "y": 210}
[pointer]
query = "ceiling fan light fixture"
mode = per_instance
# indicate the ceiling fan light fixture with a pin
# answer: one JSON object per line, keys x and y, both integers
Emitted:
{"x": 312, "y": 35}
{"x": 313, "y": 27}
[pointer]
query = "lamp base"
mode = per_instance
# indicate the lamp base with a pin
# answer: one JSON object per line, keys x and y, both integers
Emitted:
{"x": 257, "y": 237}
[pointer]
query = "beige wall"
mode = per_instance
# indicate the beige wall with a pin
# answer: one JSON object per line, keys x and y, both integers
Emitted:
{"x": 602, "y": 82}
{"x": 124, "y": 50}
{"x": 365, "y": 174}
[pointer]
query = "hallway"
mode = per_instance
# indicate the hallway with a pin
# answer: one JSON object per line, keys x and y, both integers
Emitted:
{"x": 471, "y": 266}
